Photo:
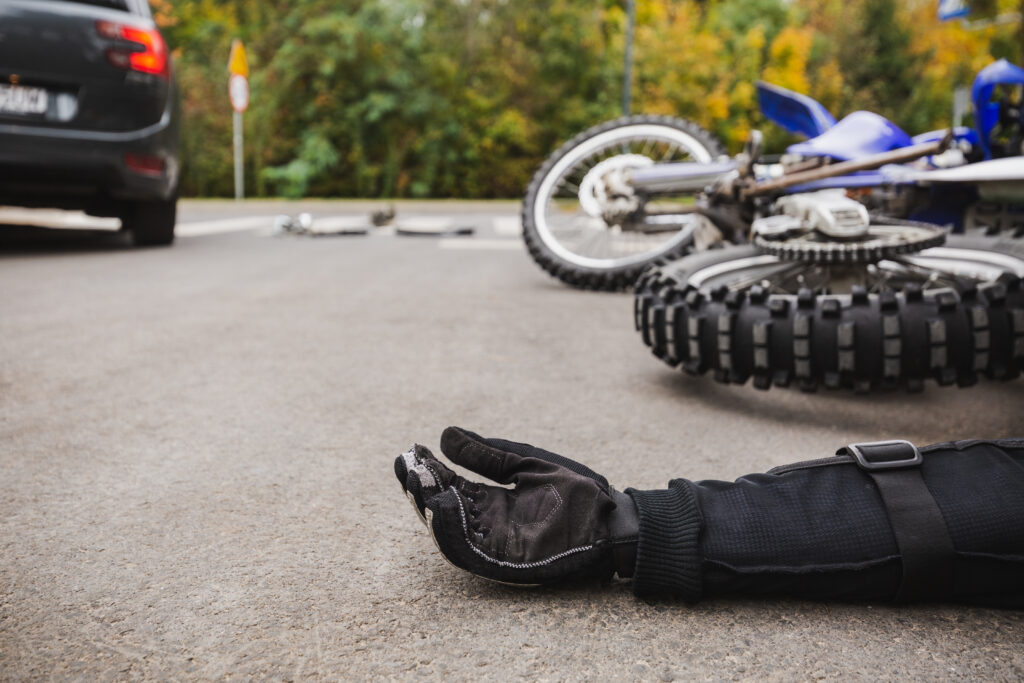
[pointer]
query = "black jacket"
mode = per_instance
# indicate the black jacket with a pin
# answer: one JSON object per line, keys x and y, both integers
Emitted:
{"x": 950, "y": 527}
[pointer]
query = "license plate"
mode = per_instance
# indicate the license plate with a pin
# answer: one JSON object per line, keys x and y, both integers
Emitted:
{"x": 17, "y": 99}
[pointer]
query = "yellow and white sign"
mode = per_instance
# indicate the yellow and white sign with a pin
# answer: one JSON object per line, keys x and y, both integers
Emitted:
{"x": 238, "y": 65}
{"x": 238, "y": 90}
{"x": 238, "y": 83}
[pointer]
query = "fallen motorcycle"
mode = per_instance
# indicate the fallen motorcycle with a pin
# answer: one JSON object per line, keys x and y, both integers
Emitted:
{"x": 631, "y": 192}
{"x": 827, "y": 294}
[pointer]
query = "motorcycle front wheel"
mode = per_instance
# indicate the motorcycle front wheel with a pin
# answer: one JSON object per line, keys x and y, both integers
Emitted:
{"x": 949, "y": 313}
{"x": 587, "y": 229}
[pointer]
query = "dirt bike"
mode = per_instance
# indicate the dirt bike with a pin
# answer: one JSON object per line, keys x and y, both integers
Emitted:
{"x": 827, "y": 293}
{"x": 632, "y": 192}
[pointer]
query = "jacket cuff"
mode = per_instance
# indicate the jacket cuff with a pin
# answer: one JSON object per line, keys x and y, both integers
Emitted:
{"x": 668, "y": 554}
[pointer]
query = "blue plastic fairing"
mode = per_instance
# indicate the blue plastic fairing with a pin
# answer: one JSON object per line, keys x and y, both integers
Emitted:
{"x": 795, "y": 112}
{"x": 986, "y": 113}
{"x": 860, "y": 134}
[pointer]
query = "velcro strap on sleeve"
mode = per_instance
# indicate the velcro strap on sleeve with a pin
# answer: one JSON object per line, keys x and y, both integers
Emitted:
{"x": 624, "y": 527}
{"x": 921, "y": 534}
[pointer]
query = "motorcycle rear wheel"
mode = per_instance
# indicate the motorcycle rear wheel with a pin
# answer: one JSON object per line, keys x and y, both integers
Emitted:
{"x": 563, "y": 228}
{"x": 957, "y": 313}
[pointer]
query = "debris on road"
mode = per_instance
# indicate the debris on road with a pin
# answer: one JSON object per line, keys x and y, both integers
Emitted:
{"x": 305, "y": 224}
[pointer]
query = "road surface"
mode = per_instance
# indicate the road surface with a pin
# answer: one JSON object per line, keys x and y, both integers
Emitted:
{"x": 196, "y": 450}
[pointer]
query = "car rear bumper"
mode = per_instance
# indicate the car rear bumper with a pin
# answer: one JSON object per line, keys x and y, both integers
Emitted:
{"x": 82, "y": 169}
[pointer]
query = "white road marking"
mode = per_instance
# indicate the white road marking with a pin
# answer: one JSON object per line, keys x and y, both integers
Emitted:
{"x": 341, "y": 223}
{"x": 424, "y": 224}
{"x": 502, "y": 226}
{"x": 508, "y": 226}
{"x": 223, "y": 225}
{"x": 469, "y": 243}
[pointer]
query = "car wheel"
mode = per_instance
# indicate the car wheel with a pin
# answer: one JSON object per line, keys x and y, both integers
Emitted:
{"x": 151, "y": 223}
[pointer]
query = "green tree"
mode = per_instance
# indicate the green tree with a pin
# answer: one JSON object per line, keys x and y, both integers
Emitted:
{"x": 878, "y": 66}
{"x": 464, "y": 98}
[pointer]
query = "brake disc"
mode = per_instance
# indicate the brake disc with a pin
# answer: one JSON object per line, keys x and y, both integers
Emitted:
{"x": 603, "y": 190}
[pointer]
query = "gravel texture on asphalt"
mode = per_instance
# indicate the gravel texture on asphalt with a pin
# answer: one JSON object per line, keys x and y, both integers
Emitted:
{"x": 196, "y": 481}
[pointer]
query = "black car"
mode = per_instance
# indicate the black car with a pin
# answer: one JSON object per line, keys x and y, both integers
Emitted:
{"x": 88, "y": 112}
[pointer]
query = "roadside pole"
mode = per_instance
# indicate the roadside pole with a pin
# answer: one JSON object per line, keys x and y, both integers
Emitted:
{"x": 238, "y": 92}
{"x": 627, "y": 67}
{"x": 239, "y": 170}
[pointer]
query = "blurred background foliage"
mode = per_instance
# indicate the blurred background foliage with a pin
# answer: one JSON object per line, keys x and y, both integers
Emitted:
{"x": 464, "y": 98}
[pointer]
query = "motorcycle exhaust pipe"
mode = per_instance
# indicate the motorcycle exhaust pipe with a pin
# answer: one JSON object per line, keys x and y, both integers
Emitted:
{"x": 690, "y": 176}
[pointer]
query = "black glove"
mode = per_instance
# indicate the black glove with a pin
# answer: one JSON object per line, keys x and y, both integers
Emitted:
{"x": 561, "y": 519}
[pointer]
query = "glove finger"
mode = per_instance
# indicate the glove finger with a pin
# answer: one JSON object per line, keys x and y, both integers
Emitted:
{"x": 502, "y": 460}
{"x": 412, "y": 458}
{"x": 405, "y": 462}
{"x": 425, "y": 475}
{"x": 472, "y": 452}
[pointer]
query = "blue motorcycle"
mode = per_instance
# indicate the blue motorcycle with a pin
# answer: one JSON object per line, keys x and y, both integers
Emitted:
{"x": 640, "y": 189}
{"x": 849, "y": 277}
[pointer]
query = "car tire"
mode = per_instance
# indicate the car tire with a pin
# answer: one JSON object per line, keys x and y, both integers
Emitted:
{"x": 151, "y": 223}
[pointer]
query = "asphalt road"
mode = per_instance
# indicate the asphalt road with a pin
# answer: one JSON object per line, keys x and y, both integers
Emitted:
{"x": 196, "y": 450}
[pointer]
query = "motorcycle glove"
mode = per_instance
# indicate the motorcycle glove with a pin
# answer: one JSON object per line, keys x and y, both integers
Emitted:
{"x": 559, "y": 520}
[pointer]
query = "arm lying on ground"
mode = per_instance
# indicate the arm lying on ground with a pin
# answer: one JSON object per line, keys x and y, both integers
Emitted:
{"x": 882, "y": 521}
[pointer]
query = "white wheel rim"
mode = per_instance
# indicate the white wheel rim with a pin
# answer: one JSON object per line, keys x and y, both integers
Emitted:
{"x": 972, "y": 263}
{"x": 704, "y": 274}
{"x": 545, "y": 192}
{"x": 977, "y": 264}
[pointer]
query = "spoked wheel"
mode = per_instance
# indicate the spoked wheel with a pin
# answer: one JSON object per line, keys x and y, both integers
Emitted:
{"x": 947, "y": 313}
{"x": 584, "y": 224}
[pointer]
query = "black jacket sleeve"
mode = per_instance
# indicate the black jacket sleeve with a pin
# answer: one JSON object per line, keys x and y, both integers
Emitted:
{"x": 823, "y": 529}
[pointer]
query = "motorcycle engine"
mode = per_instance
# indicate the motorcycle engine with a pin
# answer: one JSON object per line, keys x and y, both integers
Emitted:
{"x": 828, "y": 212}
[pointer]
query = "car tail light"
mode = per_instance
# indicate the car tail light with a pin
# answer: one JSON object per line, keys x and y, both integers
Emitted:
{"x": 150, "y": 59}
{"x": 144, "y": 164}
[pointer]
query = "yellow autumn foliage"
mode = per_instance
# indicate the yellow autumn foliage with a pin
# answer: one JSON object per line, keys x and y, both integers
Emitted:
{"x": 787, "y": 58}
{"x": 441, "y": 98}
